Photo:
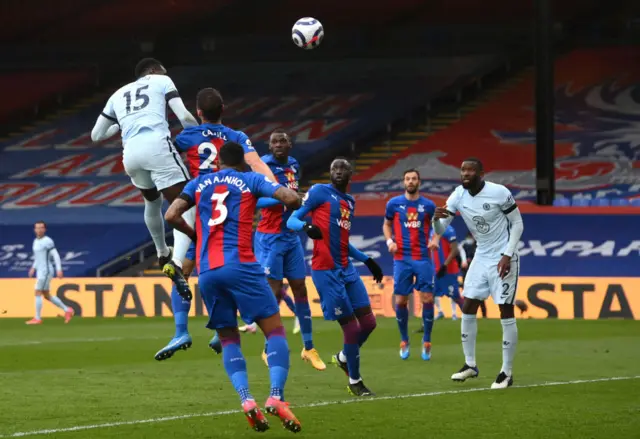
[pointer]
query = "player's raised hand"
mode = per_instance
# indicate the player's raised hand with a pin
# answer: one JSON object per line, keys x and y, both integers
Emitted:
{"x": 312, "y": 231}
{"x": 504, "y": 266}
{"x": 441, "y": 212}
{"x": 375, "y": 270}
{"x": 59, "y": 274}
{"x": 32, "y": 272}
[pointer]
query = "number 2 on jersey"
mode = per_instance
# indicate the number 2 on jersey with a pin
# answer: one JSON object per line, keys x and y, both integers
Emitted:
{"x": 208, "y": 162}
{"x": 139, "y": 97}
{"x": 217, "y": 200}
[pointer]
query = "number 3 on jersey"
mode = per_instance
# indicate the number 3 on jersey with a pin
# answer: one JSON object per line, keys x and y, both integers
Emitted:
{"x": 220, "y": 212}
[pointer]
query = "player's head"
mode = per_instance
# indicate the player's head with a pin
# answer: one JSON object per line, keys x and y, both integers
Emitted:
{"x": 471, "y": 172}
{"x": 40, "y": 228}
{"x": 209, "y": 105}
{"x": 280, "y": 144}
{"x": 232, "y": 156}
{"x": 340, "y": 171}
{"x": 411, "y": 181}
{"x": 149, "y": 66}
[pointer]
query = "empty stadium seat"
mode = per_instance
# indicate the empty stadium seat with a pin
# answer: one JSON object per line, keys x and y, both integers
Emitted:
{"x": 635, "y": 202}
{"x": 562, "y": 202}
{"x": 619, "y": 202}
{"x": 581, "y": 202}
{"x": 601, "y": 202}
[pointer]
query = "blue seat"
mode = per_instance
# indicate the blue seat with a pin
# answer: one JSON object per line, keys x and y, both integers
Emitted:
{"x": 619, "y": 202}
{"x": 561, "y": 202}
{"x": 635, "y": 202}
{"x": 601, "y": 202}
{"x": 581, "y": 202}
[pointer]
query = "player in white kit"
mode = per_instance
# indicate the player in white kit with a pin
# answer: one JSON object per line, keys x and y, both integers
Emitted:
{"x": 139, "y": 110}
{"x": 45, "y": 256}
{"x": 493, "y": 218}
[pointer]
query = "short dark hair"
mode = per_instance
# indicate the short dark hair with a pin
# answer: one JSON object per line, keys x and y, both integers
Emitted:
{"x": 209, "y": 101}
{"x": 144, "y": 65}
{"x": 232, "y": 154}
{"x": 40, "y": 222}
{"x": 341, "y": 157}
{"x": 411, "y": 170}
{"x": 279, "y": 131}
{"x": 475, "y": 160}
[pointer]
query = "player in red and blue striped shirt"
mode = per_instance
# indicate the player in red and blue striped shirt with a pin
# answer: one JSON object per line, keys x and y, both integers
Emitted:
{"x": 406, "y": 227}
{"x": 279, "y": 249}
{"x": 445, "y": 258}
{"x": 231, "y": 279}
{"x": 343, "y": 296}
{"x": 201, "y": 145}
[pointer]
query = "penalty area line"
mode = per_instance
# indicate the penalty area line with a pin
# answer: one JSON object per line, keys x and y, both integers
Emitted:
{"x": 315, "y": 404}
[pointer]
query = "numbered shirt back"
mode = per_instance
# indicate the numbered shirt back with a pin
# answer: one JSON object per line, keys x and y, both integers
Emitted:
{"x": 141, "y": 106}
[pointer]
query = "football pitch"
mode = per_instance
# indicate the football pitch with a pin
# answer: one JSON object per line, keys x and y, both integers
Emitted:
{"x": 96, "y": 378}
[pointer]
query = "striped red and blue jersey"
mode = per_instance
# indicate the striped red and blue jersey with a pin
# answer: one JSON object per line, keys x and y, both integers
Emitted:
{"x": 411, "y": 223}
{"x": 225, "y": 204}
{"x": 202, "y": 144}
{"x": 274, "y": 219}
{"x": 332, "y": 211}
{"x": 442, "y": 253}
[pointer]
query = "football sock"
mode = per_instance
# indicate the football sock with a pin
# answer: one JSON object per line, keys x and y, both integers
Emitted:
{"x": 236, "y": 366}
{"x": 278, "y": 359}
{"x": 402, "y": 316}
{"x": 303, "y": 312}
{"x": 38, "y": 308}
{"x": 155, "y": 224}
{"x": 180, "y": 309}
{"x": 351, "y": 349}
{"x": 509, "y": 343}
{"x": 57, "y": 302}
{"x": 181, "y": 242}
{"x": 469, "y": 331}
{"x": 427, "y": 321}
{"x": 367, "y": 325}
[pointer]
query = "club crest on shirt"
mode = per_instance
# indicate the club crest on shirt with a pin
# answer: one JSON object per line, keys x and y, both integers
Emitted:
{"x": 421, "y": 208}
{"x": 486, "y": 206}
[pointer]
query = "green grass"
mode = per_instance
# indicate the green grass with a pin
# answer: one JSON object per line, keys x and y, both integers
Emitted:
{"x": 94, "y": 371}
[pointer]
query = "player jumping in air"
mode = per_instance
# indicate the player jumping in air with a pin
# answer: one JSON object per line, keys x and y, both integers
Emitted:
{"x": 139, "y": 110}
{"x": 230, "y": 278}
{"x": 343, "y": 296}
{"x": 44, "y": 251}
{"x": 445, "y": 253}
{"x": 492, "y": 216}
{"x": 406, "y": 227}
{"x": 201, "y": 145}
{"x": 279, "y": 249}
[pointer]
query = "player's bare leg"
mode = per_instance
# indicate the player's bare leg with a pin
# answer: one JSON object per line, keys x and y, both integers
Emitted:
{"x": 509, "y": 343}
{"x": 236, "y": 367}
{"x": 278, "y": 359}
{"x": 303, "y": 313}
{"x": 469, "y": 331}
{"x": 402, "y": 317}
{"x": 173, "y": 268}
{"x": 427, "y": 323}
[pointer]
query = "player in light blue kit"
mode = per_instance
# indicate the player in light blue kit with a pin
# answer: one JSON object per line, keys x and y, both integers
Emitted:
{"x": 45, "y": 256}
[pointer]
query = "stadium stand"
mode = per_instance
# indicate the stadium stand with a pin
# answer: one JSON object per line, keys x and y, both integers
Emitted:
{"x": 596, "y": 151}
{"x": 322, "y": 109}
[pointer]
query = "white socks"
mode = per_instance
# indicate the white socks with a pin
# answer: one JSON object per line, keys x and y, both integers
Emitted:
{"x": 509, "y": 343}
{"x": 53, "y": 299}
{"x": 57, "y": 302}
{"x": 38, "y": 307}
{"x": 155, "y": 224}
{"x": 181, "y": 242}
{"x": 469, "y": 331}
{"x": 436, "y": 302}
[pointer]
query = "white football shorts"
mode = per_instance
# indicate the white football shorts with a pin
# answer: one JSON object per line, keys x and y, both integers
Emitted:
{"x": 482, "y": 280}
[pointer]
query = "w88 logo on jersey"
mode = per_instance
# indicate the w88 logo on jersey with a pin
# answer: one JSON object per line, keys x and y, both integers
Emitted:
{"x": 412, "y": 221}
{"x": 344, "y": 221}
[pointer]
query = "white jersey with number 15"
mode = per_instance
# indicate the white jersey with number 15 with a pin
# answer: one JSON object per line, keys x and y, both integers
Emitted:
{"x": 141, "y": 106}
{"x": 485, "y": 215}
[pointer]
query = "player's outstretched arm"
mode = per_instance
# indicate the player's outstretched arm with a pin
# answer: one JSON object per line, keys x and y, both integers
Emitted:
{"x": 266, "y": 202}
{"x": 296, "y": 223}
{"x": 174, "y": 215}
{"x": 186, "y": 119}
{"x": 104, "y": 128}
{"x": 373, "y": 267}
{"x": 288, "y": 197}
{"x": 257, "y": 165}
